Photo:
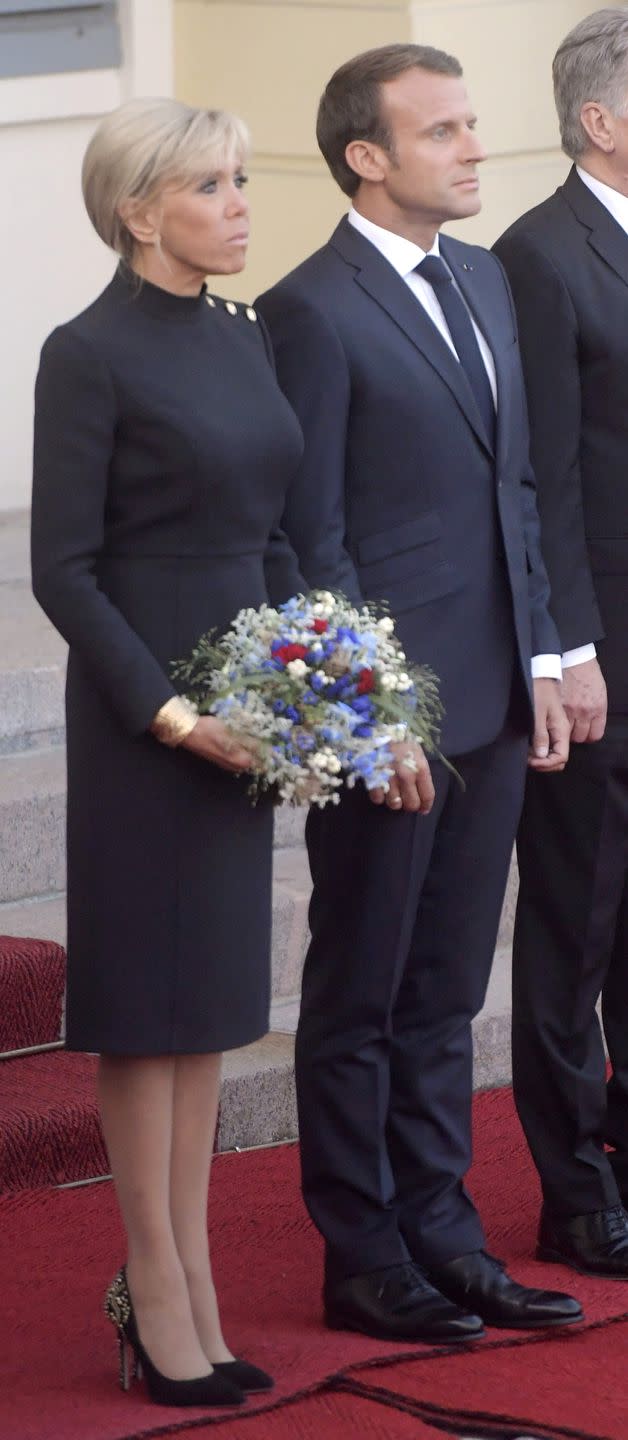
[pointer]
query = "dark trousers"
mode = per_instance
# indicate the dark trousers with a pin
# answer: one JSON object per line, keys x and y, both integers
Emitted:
{"x": 404, "y": 918}
{"x": 570, "y": 946}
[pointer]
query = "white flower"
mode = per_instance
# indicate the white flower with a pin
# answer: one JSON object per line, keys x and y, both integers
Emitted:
{"x": 297, "y": 668}
{"x": 388, "y": 680}
{"x": 404, "y": 682}
{"x": 386, "y": 625}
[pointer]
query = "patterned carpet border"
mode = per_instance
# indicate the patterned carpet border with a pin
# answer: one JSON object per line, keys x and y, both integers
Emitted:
{"x": 485, "y": 1426}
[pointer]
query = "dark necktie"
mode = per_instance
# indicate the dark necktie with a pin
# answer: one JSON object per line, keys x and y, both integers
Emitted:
{"x": 463, "y": 335}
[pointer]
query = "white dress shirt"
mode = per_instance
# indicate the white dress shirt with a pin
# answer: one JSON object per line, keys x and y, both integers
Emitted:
{"x": 404, "y": 256}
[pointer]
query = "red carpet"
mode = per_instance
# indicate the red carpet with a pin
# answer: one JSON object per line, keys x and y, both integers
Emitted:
{"x": 32, "y": 977}
{"x": 58, "y": 1357}
{"x": 49, "y": 1126}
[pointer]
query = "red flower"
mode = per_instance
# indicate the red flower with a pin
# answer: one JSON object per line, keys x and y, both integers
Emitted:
{"x": 366, "y": 682}
{"x": 320, "y": 626}
{"x": 290, "y": 652}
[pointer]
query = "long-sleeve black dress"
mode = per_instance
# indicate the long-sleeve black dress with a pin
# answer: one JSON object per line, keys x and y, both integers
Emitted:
{"x": 163, "y": 451}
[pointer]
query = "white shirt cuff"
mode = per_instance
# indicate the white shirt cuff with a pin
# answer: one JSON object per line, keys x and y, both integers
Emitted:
{"x": 546, "y": 667}
{"x": 578, "y": 656}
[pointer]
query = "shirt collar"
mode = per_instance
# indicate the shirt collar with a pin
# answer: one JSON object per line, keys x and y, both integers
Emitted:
{"x": 611, "y": 199}
{"x": 402, "y": 254}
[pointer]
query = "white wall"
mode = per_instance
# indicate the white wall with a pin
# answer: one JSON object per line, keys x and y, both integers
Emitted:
{"x": 51, "y": 262}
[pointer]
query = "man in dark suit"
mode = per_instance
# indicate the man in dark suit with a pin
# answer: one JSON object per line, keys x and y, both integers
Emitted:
{"x": 400, "y": 358}
{"x": 567, "y": 262}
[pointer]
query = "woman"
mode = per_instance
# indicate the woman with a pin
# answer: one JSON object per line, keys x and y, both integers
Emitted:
{"x": 163, "y": 450}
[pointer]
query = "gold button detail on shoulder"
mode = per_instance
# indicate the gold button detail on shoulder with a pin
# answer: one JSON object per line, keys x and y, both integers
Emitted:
{"x": 250, "y": 313}
{"x": 210, "y": 301}
{"x": 230, "y": 307}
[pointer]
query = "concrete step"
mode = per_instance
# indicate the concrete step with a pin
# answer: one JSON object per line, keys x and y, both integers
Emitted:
{"x": 50, "y": 1124}
{"x": 491, "y": 1029}
{"x": 14, "y": 545}
{"x": 258, "y": 1103}
{"x": 32, "y": 672}
{"x": 32, "y": 823}
{"x": 43, "y": 917}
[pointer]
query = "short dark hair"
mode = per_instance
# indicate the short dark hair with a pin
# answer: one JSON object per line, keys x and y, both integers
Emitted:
{"x": 350, "y": 106}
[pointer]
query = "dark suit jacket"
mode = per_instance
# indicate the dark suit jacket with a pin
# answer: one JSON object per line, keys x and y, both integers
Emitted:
{"x": 399, "y": 496}
{"x": 567, "y": 262}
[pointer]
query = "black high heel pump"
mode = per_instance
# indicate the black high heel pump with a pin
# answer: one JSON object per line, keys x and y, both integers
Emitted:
{"x": 214, "y": 1389}
{"x": 246, "y": 1376}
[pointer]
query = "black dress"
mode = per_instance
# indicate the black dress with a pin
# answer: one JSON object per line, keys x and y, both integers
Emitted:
{"x": 163, "y": 451}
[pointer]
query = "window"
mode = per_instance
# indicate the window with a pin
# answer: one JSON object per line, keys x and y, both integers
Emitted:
{"x": 41, "y": 37}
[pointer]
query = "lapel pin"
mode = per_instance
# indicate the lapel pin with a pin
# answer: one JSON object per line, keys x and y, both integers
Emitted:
{"x": 467, "y": 267}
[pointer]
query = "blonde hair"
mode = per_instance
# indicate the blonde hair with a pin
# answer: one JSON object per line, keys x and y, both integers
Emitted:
{"x": 146, "y": 145}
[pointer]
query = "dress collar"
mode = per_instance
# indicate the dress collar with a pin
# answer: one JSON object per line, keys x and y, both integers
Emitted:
{"x": 153, "y": 299}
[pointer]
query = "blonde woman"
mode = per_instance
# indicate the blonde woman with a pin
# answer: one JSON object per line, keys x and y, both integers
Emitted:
{"x": 163, "y": 451}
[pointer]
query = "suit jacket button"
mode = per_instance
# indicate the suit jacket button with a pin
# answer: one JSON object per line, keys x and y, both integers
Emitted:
{"x": 230, "y": 307}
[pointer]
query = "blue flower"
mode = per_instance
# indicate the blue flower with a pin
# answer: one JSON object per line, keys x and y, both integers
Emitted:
{"x": 278, "y": 707}
{"x": 291, "y": 713}
{"x": 364, "y": 731}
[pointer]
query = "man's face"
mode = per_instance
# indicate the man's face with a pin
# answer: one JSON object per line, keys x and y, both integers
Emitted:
{"x": 431, "y": 176}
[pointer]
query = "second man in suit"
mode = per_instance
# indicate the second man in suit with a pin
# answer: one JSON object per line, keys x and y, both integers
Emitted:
{"x": 567, "y": 261}
{"x": 399, "y": 353}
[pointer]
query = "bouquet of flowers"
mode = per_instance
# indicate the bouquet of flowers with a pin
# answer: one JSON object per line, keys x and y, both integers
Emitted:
{"x": 321, "y": 689}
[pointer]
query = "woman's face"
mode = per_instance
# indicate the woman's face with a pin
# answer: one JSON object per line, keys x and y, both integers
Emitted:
{"x": 202, "y": 229}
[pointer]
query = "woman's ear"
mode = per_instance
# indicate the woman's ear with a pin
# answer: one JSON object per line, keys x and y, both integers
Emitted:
{"x": 142, "y": 221}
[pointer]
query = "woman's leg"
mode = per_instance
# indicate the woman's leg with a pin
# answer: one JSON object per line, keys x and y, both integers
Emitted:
{"x": 195, "y": 1110}
{"x": 137, "y": 1107}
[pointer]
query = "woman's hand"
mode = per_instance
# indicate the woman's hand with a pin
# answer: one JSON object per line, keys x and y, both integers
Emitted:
{"x": 211, "y": 739}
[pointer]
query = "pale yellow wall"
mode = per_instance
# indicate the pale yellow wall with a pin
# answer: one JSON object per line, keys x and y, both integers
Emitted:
{"x": 269, "y": 60}
{"x": 506, "y": 47}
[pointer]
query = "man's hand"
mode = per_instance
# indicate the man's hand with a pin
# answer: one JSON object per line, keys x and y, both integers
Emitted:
{"x": 411, "y": 787}
{"x": 584, "y": 699}
{"x": 549, "y": 750}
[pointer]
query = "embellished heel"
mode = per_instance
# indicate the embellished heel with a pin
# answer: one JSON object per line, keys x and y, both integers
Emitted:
{"x": 214, "y": 1389}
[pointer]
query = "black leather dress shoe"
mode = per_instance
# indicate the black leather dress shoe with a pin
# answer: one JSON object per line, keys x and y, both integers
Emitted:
{"x": 480, "y": 1283}
{"x": 596, "y": 1244}
{"x": 397, "y": 1303}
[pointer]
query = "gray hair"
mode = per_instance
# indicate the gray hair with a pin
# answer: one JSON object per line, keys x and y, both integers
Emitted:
{"x": 591, "y": 65}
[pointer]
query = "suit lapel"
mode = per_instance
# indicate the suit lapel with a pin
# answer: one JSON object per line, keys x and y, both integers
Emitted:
{"x": 606, "y": 236}
{"x": 378, "y": 278}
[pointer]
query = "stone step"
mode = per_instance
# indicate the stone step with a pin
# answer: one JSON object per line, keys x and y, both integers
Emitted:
{"x": 32, "y": 824}
{"x": 49, "y": 1117}
{"x": 43, "y": 917}
{"x": 32, "y": 672}
{"x": 491, "y": 1028}
{"x": 14, "y": 545}
{"x": 32, "y": 840}
{"x": 258, "y": 1103}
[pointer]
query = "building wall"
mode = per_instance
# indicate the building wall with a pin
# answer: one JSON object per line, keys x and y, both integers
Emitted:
{"x": 269, "y": 60}
{"x": 52, "y": 263}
